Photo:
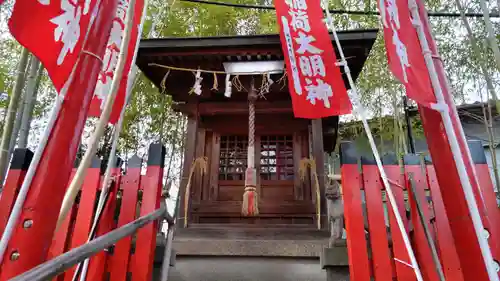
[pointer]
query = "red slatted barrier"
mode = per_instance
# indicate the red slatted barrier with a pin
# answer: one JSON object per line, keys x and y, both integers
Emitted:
{"x": 381, "y": 260}
{"x": 359, "y": 266}
{"x": 83, "y": 221}
{"x": 384, "y": 255}
{"x": 129, "y": 187}
{"x": 74, "y": 231}
{"x": 60, "y": 241}
{"x": 488, "y": 193}
{"x": 396, "y": 174}
{"x": 445, "y": 245}
{"x": 21, "y": 160}
{"x": 421, "y": 247}
{"x": 98, "y": 263}
{"x": 142, "y": 260}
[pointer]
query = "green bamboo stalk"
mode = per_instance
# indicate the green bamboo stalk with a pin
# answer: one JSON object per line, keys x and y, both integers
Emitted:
{"x": 489, "y": 84}
{"x": 395, "y": 128}
{"x": 491, "y": 33}
{"x": 20, "y": 110}
{"x": 172, "y": 152}
{"x": 11, "y": 113}
{"x": 34, "y": 79}
{"x": 477, "y": 54}
{"x": 488, "y": 123}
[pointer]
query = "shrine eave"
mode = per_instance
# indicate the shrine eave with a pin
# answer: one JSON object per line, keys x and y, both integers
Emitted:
{"x": 251, "y": 41}
{"x": 211, "y": 52}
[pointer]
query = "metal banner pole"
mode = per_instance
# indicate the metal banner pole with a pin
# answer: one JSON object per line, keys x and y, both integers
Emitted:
{"x": 442, "y": 107}
{"x": 358, "y": 108}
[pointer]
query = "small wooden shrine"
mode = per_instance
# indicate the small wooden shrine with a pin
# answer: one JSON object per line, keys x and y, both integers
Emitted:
{"x": 218, "y": 126}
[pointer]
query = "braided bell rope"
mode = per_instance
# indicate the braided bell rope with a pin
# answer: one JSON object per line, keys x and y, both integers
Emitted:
{"x": 251, "y": 126}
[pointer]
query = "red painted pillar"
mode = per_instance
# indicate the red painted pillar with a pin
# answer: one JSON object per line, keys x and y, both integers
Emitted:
{"x": 142, "y": 261}
{"x": 29, "y": 245}
{"x": 461, "y": 226}
{"x": 18, "y": 167}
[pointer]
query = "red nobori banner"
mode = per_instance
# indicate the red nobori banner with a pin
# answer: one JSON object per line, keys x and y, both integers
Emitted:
{"x": 315, "y": 81}
{"x": 404, "y": 53}
{"x": 103, "y": 87}
{"x": 54, "y": 31}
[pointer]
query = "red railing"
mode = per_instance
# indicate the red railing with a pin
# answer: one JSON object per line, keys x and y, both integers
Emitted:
{"x": 378, "y": 254}
{"x": 131, "y": 196}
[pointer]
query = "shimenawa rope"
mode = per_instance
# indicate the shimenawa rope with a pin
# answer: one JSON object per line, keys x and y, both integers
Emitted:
{"x": 201, "y": 164}
{"x": 311, "y": 164}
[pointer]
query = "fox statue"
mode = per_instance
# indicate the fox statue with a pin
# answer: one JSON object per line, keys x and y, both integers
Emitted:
{"x": 335, "y": 209}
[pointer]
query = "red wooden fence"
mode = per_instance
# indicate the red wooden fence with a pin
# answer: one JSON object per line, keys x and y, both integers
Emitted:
{"x": 378, "y": 254}
{"x": 131, "y": 196}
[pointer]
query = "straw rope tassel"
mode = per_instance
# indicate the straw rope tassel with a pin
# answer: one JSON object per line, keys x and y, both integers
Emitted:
{"x": 303, "y": 165}
{"x": 250, "y": 205}
{"x": 200, "y": 163}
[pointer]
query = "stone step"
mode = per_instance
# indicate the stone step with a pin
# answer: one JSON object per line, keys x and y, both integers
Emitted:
{"x": 245, "y": 233}
{"x": 226, "y": 240}
{"x": 234, "y": 253}
{"x": 211, "y": 268}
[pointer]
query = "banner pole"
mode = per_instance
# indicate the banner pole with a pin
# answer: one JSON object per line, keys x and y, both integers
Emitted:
{"x": 40, "y": 205}
{"x": 116, "y": 135}
{"x": 77, "y": 180}
{"x": 358, "y": 108}
{"x": 23, "y": 191}
{"x": 444, "y": 110}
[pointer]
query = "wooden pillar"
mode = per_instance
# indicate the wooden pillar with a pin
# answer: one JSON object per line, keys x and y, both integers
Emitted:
{"x": 317, "y": 150}
{"x": 197, "y": 180}
{"x": 189, "y": 154}
{"x": 298, "y": 191}
{"x": 213, "y": 188}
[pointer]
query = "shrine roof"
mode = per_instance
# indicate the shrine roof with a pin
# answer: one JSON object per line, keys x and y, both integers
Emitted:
{"x": 210, "y": 53}
{"x": 249, "y": 41}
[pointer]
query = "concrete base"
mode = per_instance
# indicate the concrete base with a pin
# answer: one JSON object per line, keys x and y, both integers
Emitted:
{"x": 210, "y": 268}
{"x": 333, "y": 257}
{"x": 230, "y": 241}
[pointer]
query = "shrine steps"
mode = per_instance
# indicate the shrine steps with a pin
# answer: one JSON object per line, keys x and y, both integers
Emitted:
{"x": 250, "y": 241}
{"x": 199, "y": 268}
{"x": 241, "y": 253}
